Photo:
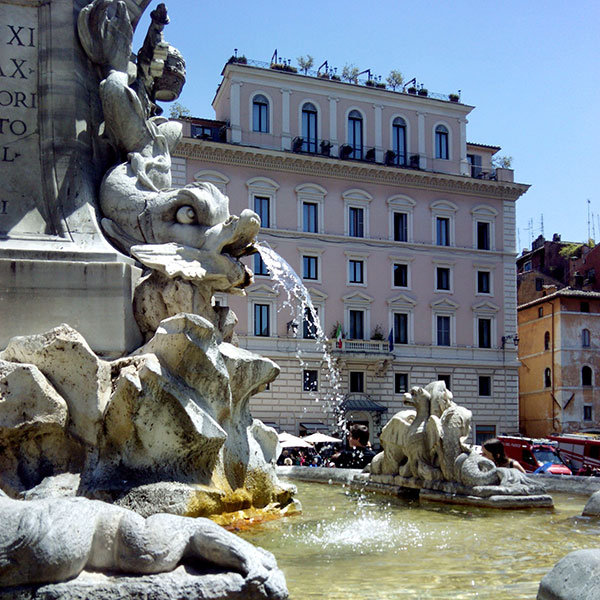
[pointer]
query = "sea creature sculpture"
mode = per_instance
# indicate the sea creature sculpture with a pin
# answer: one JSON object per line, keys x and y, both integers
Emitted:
{"x": 426, "y": 447}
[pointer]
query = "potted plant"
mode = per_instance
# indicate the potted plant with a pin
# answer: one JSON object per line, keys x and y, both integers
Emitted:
{"x": 453, "y": 97}
{"x": 370, "y": 83}
{"x": 381, "y": 85}
{"x": 378, "y": 333}
{"x": 412, "y": 90}
{"x": 423, "y": 92}
{"x": 238, "y": 59}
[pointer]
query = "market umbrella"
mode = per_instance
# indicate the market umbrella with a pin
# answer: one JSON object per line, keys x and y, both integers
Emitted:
{"x": 287, "y": 440}
{"x": 320, "y": 438}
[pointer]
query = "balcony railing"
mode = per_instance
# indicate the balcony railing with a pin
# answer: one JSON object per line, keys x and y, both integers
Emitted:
{"x": 364, "y": 346}
{"x": 331, "y": 75}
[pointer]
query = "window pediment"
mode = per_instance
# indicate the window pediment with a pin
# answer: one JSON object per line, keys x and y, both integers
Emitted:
{"x": 483, "y": 210}
{"x": 264, "y": 184}
{"x": 357, "y": 298}
{"x": 402, "y": 301}
{"x": 356, "y": 195}
{"x": 485, "y": 307}
{"x": 443, "y": 206}
{"x": 262, "y": 290}
{"x": 444, "y": 304}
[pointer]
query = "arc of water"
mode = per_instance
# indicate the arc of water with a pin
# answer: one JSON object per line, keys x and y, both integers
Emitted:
{"x": 296, "y": 298}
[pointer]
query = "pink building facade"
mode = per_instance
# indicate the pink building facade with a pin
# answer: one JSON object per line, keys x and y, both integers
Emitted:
{"x": 395, "y": 224}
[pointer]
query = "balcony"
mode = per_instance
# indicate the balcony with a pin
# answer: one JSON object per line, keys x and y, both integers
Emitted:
{"x": 362, "y": 346}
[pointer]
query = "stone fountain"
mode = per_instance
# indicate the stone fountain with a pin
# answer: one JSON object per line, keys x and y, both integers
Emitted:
{"x": 97, "y": 449}
{"x": 425, "y": 450}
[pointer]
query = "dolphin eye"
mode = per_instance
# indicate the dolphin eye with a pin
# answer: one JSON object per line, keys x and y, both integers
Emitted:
{"x": 186, "y": 215}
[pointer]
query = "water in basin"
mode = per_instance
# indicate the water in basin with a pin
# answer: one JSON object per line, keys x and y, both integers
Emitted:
{"x": 348, "y": 544}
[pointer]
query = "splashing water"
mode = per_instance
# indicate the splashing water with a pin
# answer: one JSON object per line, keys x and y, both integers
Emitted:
{"x": 297, "y": 300}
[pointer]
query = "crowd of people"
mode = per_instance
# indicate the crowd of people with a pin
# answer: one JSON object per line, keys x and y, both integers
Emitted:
{"x": 356, "y": 454}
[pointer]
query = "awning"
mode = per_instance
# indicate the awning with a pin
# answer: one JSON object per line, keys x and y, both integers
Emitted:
{"x": 362, "y": 403}
{"x": 312, "y": 427}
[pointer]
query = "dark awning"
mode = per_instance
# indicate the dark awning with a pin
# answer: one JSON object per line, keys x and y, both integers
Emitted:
{"x": 361, "y": 402}
{"x": 312, "y": 427}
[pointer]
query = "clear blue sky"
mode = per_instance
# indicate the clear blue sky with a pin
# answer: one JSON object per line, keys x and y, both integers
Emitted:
{"x": 530, "y": 68}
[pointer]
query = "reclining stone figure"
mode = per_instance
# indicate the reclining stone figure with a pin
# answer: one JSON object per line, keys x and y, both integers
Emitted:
{"x": 54, "y": 539}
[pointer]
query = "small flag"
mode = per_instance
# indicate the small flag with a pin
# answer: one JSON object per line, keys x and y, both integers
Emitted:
{"x": 391, "y": 340}
{"x": 338, "y": 336}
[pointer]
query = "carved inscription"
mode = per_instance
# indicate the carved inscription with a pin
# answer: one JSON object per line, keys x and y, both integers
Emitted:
{"x": 20, "y": 171}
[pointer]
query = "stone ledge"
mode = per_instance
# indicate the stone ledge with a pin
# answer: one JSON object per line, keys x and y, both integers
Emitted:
{"x": 183, "y": 582}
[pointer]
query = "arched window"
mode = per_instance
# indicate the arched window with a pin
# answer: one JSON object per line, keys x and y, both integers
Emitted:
{"x": 399, "y": 140}
{"x": 586, "y": 376}
{"x": 441, "y": 142}
{"x": 260, "y": 114}
{"x": 309, "y": 127}
{"x": 585, "y": 338}
{"x": 547, "y": 340}
{"x": 547, "y": 377}
{"x": 355, "y": 133}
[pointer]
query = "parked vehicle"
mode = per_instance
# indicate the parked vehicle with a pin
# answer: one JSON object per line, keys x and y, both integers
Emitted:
{"x": 581, "y": 449}
{"x": 535, "y": 455}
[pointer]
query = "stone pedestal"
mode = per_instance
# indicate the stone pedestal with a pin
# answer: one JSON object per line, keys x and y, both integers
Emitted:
{"x": 55, "y": 264}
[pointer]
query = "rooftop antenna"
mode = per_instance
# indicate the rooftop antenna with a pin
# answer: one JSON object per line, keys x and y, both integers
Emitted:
{"x": 325, "y": 64}
{"x": 530, "y": 229}
{"x": 588, "y": 203}
{"x": 593, "y": 228}
{"x": 274, "y": 57}
{"x": 542, "y": 224}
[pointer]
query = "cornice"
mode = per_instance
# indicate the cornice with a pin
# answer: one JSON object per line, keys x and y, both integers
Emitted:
{"x": 317, "y": 166}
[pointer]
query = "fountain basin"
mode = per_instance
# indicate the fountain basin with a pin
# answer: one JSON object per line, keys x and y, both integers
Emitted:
{"x": 349, "y": 543}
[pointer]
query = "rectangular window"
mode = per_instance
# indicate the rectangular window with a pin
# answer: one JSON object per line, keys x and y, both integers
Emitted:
{"x": 585, "y": 307}
{"x": 441, "y": 144}
{"x": 442, "y": 231}
{"x": 400, "y": 328}
{"x": 309, "y": 326}
{"x": 400, "y": 227}
{"x": 446, "y": 379}
{"x": 483, "y": 236}
{"x": 310, "y": 266}
{"x": 262, "y": 209}
{"x": 484, "y": 433}
{"x": 400, "y": 383}
{"x": 260, "y": 268}
{"x": 260, "y": 115}
{"x": 539, "y": 284}
{"x": 483, "y": 282}
{"x": 443, "y": 331}
{"x": 587, "y": 413}
{"x": 475, "y": 162}
{"x": 485, "y": 385}
{"x": 310, "y": 380}
{"x": 443, "y": 278}
{"x": 356, "y": 226}
{"x": 310, "y": 212}
{"x": 400, "y": 275}
{"x": 357, "y": 382}
{"x": 357, "y": 324}
{"x": 261, "y": 320}
{"x": 355, "y": 274}
{"x": 485, "y": 333}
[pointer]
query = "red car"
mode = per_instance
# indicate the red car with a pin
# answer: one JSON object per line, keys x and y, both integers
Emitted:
{"x": 533, "y": 454}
